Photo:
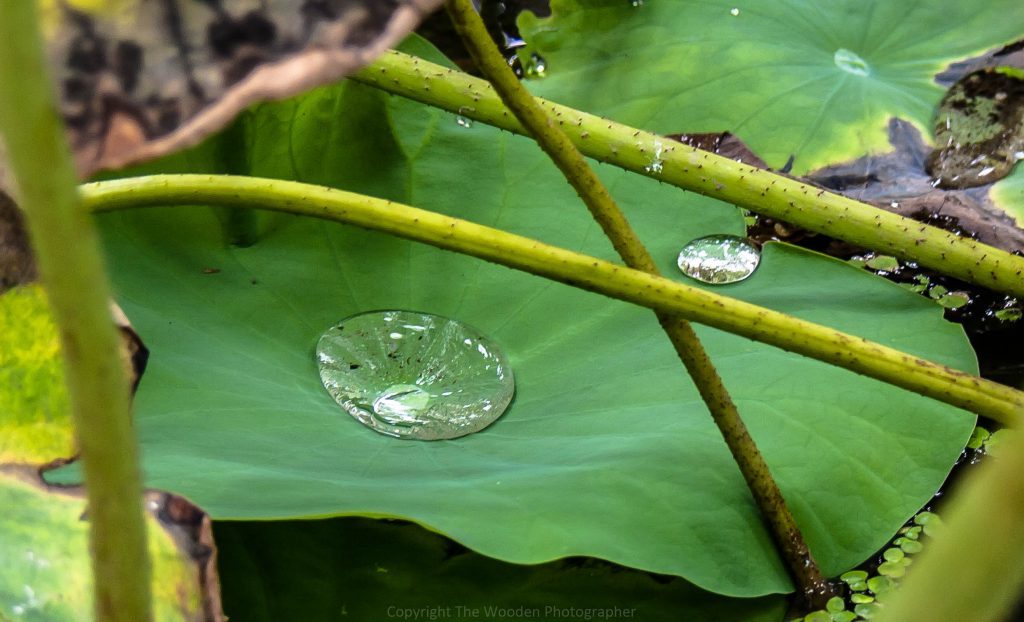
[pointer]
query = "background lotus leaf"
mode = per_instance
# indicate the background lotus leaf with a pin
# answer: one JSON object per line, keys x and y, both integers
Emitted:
{"x": 792, "y": 77}
{"x": 45, "y": 571}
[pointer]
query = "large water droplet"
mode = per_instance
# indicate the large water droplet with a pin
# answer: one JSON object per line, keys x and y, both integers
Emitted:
{"x": 719, "y": 259}
{"x": 850, "y": 62}
{"x": 415, "y": 375}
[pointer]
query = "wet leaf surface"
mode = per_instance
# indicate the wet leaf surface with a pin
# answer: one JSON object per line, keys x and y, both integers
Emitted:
{"x": 45, "y": 570}
{"x": 232, "y": 412}
{"x": 979, "y": 129}
{"x": 375, "y": 570}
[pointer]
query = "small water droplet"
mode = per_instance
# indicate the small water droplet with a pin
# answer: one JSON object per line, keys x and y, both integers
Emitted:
{"x": 536, "y": 67}
{"x": 437, "y": 379}
{"x": 636, "y": 2}
{"x": 850, "y": 62}
{"x": 734, "y": 12}
{"x": 463, "y": 121}
{"x": 719, "y": 259}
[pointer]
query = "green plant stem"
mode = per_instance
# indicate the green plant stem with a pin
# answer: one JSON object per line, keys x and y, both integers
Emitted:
{"x": 993, "y": 400}
{"x": 71, "y": 267}
{"x": 755, "y": 189}
{"x": 972, "y": 571}
{"x": 780, "y": 522}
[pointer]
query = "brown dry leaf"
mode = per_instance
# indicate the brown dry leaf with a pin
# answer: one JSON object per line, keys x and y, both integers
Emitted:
{"x": 138, "y": 79}
{"x": 897, "y": 181}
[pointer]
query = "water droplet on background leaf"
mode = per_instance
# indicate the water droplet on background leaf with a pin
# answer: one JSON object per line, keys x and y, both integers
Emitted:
{"x": 415, "y": 375}
{"x": 734, "y": 12}
{"x": 536, "y": 66}
{"x": 851, "y": 62}
{"x": 719, "y": 259}
{"x": 463, "y": 121}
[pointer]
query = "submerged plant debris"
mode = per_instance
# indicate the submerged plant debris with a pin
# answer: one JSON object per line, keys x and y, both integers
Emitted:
{"x": 979, "y": 129}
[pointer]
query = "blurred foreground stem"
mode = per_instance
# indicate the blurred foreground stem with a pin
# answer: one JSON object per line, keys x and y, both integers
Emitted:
{"x": 787, "y": 536}
{"x": 70, "y": 264}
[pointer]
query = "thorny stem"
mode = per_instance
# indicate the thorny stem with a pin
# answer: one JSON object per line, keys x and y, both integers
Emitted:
{"x": 752, "y": 188}
{"x": 984, "y": 397}
{"x": 70, "y": 263}
{"x": 780, "y": 522}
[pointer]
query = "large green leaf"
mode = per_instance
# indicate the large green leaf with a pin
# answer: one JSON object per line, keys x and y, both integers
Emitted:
{"x": 791, "y": 77}
{"x": 607, "y": 450}
{"x": 376, "y": 570}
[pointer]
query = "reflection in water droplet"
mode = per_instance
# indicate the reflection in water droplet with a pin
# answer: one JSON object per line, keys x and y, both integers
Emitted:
{"x": 415, "y": 375}
{"x": 850, "y": 62}
{"x": 536, "y": 67}
{"x": 734, "y": 12}
{"x": 719, "y": 259}
{"x": 463, "y": 121}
